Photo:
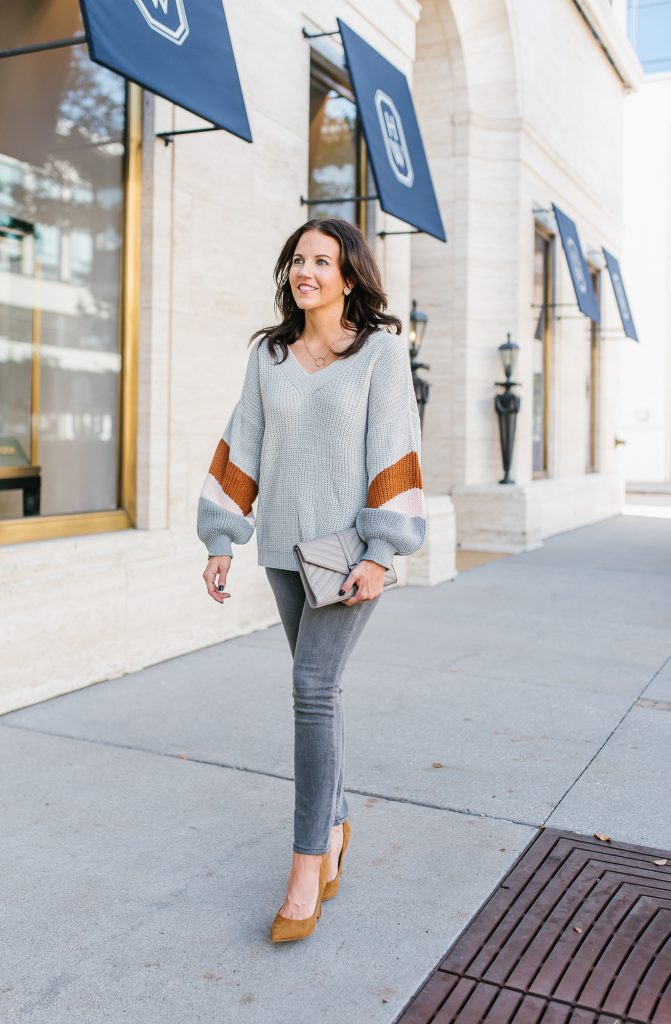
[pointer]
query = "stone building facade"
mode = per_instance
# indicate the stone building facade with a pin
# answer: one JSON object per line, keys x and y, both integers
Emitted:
{"x": 520, "y": 105}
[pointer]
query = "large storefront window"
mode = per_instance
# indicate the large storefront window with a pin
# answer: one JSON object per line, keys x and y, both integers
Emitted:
{"x": 62, "y": 170}
{"x": 337, "y": 154}
{"x": 542, "y": 299}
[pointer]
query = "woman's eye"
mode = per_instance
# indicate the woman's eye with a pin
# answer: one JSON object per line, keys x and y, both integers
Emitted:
{"x": 323, "y": 261}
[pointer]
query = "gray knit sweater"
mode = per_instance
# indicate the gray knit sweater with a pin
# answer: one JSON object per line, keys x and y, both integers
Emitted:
{"x": 323, "y": 451}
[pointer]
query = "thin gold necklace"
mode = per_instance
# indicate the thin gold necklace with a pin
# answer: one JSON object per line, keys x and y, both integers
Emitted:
{"x": 320, "y": 360}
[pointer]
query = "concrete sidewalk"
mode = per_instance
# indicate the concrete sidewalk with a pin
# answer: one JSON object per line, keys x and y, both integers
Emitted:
{"x": 147, "y": 820}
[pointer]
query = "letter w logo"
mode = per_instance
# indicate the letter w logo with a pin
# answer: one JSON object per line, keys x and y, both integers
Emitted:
{"x": 167, "y": 17}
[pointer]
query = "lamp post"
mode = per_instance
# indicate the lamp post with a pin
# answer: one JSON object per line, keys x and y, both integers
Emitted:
{"x": 507, "y": 406}
{"x": 418, "y": 322}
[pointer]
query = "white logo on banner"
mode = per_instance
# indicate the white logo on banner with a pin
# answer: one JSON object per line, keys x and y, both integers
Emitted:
{"x": 576, "y": 263}
{"x": 173, "y": 25}
{"x": 621, "y": 297}
{"x": 394, "y": 138}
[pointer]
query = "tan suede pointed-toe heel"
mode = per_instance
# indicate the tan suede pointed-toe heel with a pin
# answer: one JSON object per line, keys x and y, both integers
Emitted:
{"x": 332, "y": 887}
{"x": 285, "y": 929}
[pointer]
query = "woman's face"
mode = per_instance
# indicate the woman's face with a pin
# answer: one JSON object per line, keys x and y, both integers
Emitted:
{"x": 314, "y": 276}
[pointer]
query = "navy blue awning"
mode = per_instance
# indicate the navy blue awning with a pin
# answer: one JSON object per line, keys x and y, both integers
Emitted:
{"x": 620, "y": 295}
{"x": 180, "y": 50}
{"x": 582, "y": 282}
{"x": 390, "y": 127}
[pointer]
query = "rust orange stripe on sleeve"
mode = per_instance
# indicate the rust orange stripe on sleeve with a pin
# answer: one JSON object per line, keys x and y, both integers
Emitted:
{"x": 240, "y": 487}
{"x": 395, "y": 479}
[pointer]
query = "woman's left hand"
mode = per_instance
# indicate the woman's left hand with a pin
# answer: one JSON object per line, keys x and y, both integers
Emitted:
{"x": 369, "y": 578}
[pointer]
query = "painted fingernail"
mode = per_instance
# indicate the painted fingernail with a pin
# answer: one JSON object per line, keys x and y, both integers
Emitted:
{"x": 341, "y": 591}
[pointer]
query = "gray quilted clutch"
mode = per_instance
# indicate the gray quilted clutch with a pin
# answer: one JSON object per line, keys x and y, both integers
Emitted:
{"x": 325, "y": 563}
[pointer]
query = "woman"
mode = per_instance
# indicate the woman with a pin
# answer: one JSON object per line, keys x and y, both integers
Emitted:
{"x": 327, "y": 433}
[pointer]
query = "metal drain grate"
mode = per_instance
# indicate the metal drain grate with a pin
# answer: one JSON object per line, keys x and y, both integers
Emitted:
{"x": 578, "y": 931}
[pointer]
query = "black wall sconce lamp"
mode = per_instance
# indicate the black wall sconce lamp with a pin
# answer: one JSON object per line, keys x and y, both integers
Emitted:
{"x": 507, "y": 405}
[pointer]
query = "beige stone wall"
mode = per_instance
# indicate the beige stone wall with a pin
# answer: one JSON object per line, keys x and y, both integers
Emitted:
{"x": 645, "y": 411}
{"x": 572, "y": 149}
{"x": 519, "y": 108}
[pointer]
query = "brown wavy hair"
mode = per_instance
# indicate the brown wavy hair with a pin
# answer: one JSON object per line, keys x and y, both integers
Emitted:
{"x": 365, "y": 307}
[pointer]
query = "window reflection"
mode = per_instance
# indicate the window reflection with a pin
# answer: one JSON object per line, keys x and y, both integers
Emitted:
{"x": 333, "y": 151}
{"x": 61, "y": 191}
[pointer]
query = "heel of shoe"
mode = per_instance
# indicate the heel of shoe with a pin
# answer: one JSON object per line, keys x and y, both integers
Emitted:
{"x": 332, "y": 887}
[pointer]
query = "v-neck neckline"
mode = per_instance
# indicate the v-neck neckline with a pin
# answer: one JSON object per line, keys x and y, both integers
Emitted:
{"x": 306, "y": 380}
{"x": 310, "y": 372}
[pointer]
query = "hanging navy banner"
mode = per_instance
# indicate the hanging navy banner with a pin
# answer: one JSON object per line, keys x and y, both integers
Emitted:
{"x": 620, "y": 295}
{"x": 180, "y": 49}
{"x": 387, "y": 113}
{"x": 582, "y": 282}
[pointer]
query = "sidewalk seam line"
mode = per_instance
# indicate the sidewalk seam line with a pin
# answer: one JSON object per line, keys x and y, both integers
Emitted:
{"x": 272, "y": 775}
{"x": 608, "y": 738}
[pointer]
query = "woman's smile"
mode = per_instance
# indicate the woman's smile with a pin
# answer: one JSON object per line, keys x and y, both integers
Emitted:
{"x": 315, "y": 272}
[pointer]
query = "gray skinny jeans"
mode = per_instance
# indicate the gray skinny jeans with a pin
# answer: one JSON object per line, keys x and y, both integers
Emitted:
{"x": 321, "y": 640}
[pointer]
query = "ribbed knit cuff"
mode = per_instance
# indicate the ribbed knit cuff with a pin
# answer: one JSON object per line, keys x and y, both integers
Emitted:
{"x": 380, "y": 551}
{"x": 221, "y": 545}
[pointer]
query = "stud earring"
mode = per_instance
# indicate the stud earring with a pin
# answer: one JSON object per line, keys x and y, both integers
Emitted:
{"x": 347, "y": 290}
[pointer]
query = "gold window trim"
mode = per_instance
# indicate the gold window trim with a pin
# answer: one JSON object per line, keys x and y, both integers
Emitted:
{"x": 595, "y": 377}
{"x": 17, "y": 531}
{"x": 544, "y": 473}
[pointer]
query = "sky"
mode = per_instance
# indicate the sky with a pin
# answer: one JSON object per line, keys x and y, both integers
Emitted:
{"x": 649, "y": 26}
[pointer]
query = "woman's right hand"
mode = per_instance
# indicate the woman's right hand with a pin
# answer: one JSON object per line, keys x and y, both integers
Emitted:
{"x": 217, "y": 566}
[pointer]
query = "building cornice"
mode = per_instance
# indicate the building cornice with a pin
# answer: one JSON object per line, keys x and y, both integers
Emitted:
{"x": 610, "y": 36}
{"x": 411, "y": 7}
